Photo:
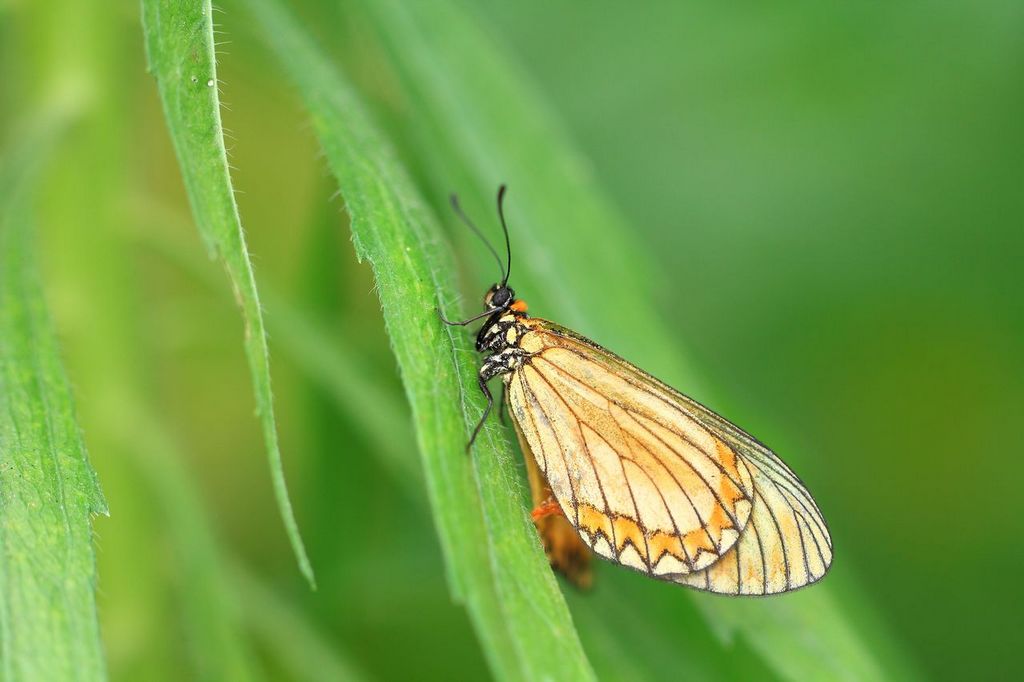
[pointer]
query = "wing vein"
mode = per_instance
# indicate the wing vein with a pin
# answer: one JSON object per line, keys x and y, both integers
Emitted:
{"x": 668, "y": 510}
{"x": 810, "y": 531}
{"x": 739, "y": 568}
{"x": 632, "y": 497}
{"x": 533, "y": 425}
{"x": 782, "y": 540}
{"x": 760, "y": 550}
{"x": 799, "y": 495}
{"x": 699, "y": 475}
{"x": 675, "y": 407}
{"x": 767, "y": 460}
{"x": 696, "y": 512}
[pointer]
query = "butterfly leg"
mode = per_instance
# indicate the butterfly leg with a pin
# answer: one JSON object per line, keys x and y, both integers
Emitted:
{"x": 495, "y": 365}
{"x": 504, "y": 404}
{"x": 487, "y": 411}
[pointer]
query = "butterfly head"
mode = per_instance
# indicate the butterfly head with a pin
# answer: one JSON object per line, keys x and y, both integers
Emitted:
{"x": 499, "y": 297}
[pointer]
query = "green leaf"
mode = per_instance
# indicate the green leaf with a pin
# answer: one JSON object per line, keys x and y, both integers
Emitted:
{"x": 180, "y": 48}
{"x": 493, "y": 557}
{"x": 478, "y": 122}
{"x": 48, "y": 490}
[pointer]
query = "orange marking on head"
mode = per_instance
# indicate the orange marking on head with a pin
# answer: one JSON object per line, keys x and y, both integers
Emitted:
{"x": 519, "y": 306}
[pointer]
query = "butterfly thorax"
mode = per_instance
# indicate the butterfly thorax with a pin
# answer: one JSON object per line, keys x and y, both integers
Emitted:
{"x": 499, "y": 340}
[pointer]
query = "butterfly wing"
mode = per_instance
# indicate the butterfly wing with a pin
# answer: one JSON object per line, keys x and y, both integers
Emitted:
{"x": 644, "y": 482}
{"x": 784, "y": 546}
{"x": 653, "y": 480}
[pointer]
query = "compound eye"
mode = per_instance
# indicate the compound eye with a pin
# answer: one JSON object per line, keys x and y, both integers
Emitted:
{"x": 501, "y": 297}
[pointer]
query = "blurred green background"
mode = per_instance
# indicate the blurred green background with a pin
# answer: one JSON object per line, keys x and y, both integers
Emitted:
{"x": 832, "y": 200}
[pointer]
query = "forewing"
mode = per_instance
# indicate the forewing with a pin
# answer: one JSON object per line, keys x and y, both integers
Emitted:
{"x": 644, "y": 482}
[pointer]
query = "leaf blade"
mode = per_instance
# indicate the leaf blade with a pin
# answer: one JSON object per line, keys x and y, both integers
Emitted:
{"x": 48, "y": 490}
{"x": 180, "y": 50}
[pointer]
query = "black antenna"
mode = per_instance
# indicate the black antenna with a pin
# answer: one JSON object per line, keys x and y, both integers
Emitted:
{"x": 504, "y": 227}
{"x": 469, "y": 223}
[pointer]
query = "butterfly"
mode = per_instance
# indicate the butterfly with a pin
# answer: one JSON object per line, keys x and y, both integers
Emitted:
{"x": 624, "y": 466}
